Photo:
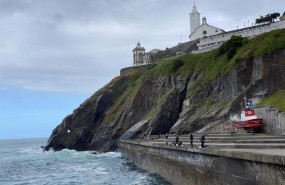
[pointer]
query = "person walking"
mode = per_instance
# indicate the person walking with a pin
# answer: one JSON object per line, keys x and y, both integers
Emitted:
{"x": 176, "y": 139}
{"x": 203, "y": 141}
{"x": 191, "y": 139}
{"x": 166, "y": 138}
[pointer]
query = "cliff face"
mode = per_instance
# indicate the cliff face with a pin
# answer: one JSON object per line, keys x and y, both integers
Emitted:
{"x": 188, "y": 93}
{"x": 210, "y": 107}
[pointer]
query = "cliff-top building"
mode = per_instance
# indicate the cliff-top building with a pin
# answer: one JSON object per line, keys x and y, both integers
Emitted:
{"x": 211, "y": 37}
{"x": 198, "y": 30}
{"x": 207, "y": 37}
{"x": 141, "y": 57}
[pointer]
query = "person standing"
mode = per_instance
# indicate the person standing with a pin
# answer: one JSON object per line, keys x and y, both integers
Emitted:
{"x": 166, "y": 138}
{"x": 202, "y": 141}
{"x": 176, "y": 139}
{"x": 191, "y": 139}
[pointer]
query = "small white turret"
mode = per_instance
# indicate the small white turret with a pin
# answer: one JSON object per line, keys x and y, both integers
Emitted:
{"x": 138, "y": 53}
{"x": 204, "y": 20}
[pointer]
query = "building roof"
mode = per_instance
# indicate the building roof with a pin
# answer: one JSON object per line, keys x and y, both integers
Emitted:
{"x": 138, "y": 47}
{"x": 154, "y": 51}
{"x": 204, "y": 25}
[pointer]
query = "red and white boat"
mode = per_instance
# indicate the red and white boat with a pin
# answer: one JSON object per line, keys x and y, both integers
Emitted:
{"x": 247, "y": 120}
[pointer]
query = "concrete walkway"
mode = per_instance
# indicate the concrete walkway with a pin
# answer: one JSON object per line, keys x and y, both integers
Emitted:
{"x": 258, "y": 147}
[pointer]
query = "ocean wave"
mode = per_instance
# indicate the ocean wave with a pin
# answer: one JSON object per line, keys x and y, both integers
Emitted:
{"x": 25, "y": 164}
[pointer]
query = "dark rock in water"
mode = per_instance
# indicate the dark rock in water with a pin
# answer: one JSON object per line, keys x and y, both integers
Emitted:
{"x": 95, "y": 152}
{"x": 141, "y": 103}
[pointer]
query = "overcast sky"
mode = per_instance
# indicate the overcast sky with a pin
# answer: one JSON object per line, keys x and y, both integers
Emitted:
{"x": 68, "y": 49}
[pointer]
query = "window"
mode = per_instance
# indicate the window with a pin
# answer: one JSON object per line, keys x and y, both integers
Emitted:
{"x": 204, "y": 32}
{"x": 140, "y": 58}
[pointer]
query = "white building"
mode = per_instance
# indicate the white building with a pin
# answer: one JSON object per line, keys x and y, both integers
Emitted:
{"x": 141, "y": 57}
{"x": 203, "y": 30}
{"x": 139, "y": 53}
{"x": 215, "y": 41}
{"x": 211, "y": 37}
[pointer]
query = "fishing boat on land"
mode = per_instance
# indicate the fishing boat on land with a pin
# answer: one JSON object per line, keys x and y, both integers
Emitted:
{"x": 247, "y": 120}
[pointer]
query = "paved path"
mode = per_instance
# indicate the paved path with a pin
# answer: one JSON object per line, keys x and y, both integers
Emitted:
{"x": 260, "y": 144}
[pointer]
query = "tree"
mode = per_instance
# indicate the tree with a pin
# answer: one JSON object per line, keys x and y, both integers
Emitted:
{"x": 267, "y": 18}
{"x": 274, "y": 16}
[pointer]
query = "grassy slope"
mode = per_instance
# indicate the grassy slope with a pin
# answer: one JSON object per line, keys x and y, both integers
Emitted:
{"x": 208, "y": 63}
{"x": 212, "y": 66}
{"x": 277, "y": 101}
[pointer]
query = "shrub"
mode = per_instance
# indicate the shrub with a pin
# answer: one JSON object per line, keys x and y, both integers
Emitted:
{"x": 177, "y": 64}
{"x": 230, "y": 47}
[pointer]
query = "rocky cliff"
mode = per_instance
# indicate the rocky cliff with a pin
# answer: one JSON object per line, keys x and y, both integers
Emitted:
{"x": 194, "y": 93}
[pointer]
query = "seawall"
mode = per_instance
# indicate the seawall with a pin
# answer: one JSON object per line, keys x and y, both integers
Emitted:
{"x": 193, "y": 166}
{"x": 273, "y": 120}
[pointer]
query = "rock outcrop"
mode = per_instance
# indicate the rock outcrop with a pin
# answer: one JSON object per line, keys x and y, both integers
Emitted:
{"x": 177, "y": 95}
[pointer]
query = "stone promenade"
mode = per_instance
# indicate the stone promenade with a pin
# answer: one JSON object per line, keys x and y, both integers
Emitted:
{"x": 256, "y": 147}
{"x": 228, "y": 159}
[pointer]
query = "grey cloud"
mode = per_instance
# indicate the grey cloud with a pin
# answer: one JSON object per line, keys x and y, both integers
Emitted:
{"x": 8, "y": 7}
{"x": 59, "y": 45}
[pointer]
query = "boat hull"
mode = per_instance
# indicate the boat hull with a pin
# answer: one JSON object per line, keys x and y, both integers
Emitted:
{"x": 254, "y": 123}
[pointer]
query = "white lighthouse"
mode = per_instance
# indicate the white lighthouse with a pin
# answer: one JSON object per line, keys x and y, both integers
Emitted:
{"x": 194, "y": 19}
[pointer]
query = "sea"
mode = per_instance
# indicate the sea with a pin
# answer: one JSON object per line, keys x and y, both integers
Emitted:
{"x": 22, "y": 161}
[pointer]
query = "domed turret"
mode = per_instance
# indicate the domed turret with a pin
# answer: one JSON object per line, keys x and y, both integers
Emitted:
{"x": 138, "y": 53}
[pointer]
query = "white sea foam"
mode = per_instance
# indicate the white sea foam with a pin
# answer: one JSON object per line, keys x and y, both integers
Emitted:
{"x": 78, "y": 168}
{"x": 101, "y": 171}
{"x": 139, "y": 181}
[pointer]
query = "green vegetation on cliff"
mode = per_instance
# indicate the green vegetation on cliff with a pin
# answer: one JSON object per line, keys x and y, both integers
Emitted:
{"x": 220, "y": 61}
{"x": 266, "y": 43}
{"x": 208, "y": 66}
{"x": 231, "y": 46}
{"x": 277, "y": 101}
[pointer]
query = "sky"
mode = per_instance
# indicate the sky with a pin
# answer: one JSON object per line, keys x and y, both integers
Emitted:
{"x": 54, "y": 54}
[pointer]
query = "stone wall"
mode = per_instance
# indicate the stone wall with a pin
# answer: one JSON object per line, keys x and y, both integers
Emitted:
{"x": 180, "y": 49}
{"x": 273, "y": 121}
{"x": 127, "y": 70}
{"x": 187, "y": 166}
